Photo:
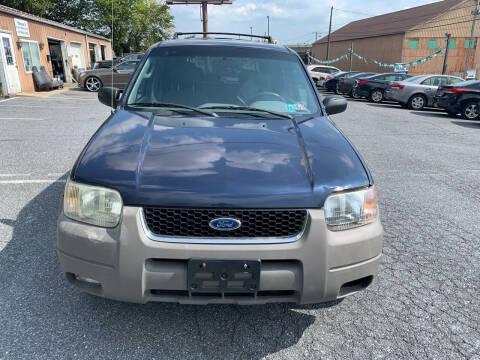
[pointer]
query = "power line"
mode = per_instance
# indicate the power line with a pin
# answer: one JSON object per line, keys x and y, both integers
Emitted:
{"x": 338, "y": 37}
{"x": 355, "y": 12}
{"x": 402, "y": 19}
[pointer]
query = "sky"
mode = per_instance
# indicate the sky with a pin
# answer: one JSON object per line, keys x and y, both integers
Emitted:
{"x": 291, "y": 22}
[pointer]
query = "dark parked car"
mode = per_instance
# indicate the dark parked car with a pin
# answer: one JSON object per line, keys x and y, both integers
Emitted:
{"x": 345, "y": 84}
{"x": 332, "y": 80}
{"x": 219, "y": 178}
{"x": 373, "y": 87}
{"x": 118, "y": 76}
{"x": 463, "y": 98}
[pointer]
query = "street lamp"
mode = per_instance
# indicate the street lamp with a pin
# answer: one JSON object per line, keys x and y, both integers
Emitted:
{"x": 268, "y": 25}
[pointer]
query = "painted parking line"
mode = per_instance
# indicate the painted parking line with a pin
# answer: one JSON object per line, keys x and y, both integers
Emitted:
{"x": 4, "y": 100}
{"x": 33, "y": 181}
{"x": 20, "y": 118}
{"x": 14, "y": 175}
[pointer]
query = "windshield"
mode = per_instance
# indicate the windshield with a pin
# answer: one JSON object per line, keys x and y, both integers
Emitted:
{"x": 225, "y": 76}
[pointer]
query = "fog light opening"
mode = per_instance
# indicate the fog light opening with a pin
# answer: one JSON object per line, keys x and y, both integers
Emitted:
{"x": 354, "y": 286}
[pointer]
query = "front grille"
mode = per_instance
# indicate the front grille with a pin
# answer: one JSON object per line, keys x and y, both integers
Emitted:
{"x": 194, "y": 223}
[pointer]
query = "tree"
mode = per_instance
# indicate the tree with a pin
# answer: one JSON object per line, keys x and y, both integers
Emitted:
{"x": 134, "y": 24}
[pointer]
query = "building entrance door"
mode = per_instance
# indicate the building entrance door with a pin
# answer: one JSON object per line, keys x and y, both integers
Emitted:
{"x": 8, "y": 66}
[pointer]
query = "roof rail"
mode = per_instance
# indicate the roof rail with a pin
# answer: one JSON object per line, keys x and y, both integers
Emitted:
{"x": 268, "y": 38}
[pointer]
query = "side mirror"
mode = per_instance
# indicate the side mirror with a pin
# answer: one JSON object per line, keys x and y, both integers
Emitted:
{"x": 109, "y": 96}
{"x": 115, "y": 70}
{"x": 335, "y": 104}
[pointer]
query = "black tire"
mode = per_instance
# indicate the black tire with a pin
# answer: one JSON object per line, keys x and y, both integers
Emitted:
{"x": 336, "y": 90}
{"x": 470, "y": 110}
{"x": 354, "y": 94}
{"x": 93, "y": 84}
{"x": 417, "y": 102}
{"x": 376, "y": 96}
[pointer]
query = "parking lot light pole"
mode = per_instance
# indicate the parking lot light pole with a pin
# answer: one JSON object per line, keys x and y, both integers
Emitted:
{"x": 445, "y": 60}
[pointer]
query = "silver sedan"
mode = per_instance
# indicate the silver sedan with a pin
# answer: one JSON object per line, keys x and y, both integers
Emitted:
{"x": 418, "y": 91}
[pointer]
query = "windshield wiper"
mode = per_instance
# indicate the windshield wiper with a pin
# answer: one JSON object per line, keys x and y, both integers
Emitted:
{"x": 169, "y": 105}
{"x": 248, "y": 108}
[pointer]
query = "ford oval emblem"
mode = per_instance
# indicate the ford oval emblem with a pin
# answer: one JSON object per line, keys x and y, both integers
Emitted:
{"x": 225, "y": 224}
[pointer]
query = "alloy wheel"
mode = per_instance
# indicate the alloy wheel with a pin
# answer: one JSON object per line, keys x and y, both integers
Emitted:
{"x": 471, "y": 111}
{"x": 417, "y": 103}
{"x": 93, "y": 84}
{"x": 377, "y": 96}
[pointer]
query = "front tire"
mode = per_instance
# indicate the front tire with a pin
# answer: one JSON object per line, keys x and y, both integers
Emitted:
{"x": 470, "y": 111}
{"x": 417, "y": 102}
{"x": 376, "y": 96}
{"x": 93, "y": 84}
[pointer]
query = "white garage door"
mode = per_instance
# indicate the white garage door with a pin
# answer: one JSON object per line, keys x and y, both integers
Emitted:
{"x": 78, "y": 56}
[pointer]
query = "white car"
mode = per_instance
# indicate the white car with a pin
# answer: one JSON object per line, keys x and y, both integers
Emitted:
{"x": 320, "y": 73}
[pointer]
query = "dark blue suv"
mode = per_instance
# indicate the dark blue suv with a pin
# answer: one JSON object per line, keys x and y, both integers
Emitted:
{"x": 219, "y": 178}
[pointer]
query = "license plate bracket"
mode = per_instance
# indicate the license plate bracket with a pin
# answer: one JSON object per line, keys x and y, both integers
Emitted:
{"x": 223, "y": 276}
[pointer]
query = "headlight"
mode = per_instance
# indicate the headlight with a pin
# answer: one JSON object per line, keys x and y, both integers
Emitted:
{"x": 351, "y": 209}
{"x": 92, "y": 204}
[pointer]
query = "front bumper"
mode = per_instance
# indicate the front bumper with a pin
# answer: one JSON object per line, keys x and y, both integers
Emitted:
{"x": 125, "y": 264}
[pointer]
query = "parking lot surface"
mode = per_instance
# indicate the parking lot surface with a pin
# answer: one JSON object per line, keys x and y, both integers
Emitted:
{"x": 424, "y": 303}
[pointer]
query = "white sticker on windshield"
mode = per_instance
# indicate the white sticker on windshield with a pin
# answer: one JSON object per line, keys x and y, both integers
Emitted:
{"x": 295, "y": 107}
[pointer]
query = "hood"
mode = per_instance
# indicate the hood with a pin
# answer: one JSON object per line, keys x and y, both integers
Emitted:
{"x": 219, "y": 162}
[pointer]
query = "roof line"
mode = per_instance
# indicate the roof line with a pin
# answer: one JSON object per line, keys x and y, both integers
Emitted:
{"x": 418, "y": 27}
{"x": 22, "y": 14}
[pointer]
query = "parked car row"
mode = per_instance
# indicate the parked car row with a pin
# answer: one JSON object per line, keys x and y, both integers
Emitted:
{"x": 448, "y": 92}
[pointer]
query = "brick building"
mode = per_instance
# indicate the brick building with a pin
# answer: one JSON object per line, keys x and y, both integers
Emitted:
{"x": 27, "y": 40}
{"x": 408, "y": 35}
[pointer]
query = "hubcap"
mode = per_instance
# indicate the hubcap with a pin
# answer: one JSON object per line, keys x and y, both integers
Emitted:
{"x": 93, "y": 84}
{"x": 471, "y": 111}
{"x": 417, "y": 102}
{"x": 355, "y": 94}
{"x": 376, "y": 96}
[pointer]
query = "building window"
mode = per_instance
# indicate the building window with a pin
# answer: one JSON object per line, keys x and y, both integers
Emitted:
{"x": 469, "y": 44}
{"x": 8, "y": 51}
{"x": 31, "y": 55}
{"x": 432, "y": 44}
{"x": 413, "y": 44}
{"x": 103, "y": 49}
{"x": 452, "y": 43}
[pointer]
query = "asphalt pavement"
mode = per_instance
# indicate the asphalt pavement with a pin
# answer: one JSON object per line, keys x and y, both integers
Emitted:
{"x": 424, "y": 304}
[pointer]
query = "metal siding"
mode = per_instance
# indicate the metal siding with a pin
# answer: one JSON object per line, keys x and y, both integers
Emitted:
{"x": 383, "y": 48}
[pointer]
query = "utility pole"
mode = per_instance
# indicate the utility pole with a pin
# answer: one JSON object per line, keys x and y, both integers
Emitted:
{"x": 251, "y": 33}
{"x": 351, "y": 55}
{"x": 470, "y": 43}
{"x": 268, "y": 25}
{"x": 205, "y": 17}
{"x": 329, "y": 32}
{"x": 445, "y": 60}
{"x": 316, "y": 35}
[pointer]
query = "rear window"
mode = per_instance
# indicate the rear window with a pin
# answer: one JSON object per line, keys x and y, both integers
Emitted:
{"x": 472, "y": 84}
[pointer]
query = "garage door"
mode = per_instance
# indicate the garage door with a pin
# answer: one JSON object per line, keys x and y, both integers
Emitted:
{"x": 78, "y": 56}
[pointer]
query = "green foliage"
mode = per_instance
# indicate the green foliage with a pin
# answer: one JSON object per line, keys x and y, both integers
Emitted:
{"x": 136, "y": 24}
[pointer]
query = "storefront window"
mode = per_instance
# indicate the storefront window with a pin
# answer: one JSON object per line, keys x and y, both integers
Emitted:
{"x": 31, "y": 55}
